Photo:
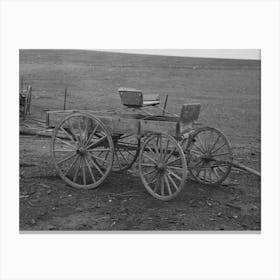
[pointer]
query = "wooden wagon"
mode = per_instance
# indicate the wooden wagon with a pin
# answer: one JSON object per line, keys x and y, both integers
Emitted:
{"x": 86, "y": 145}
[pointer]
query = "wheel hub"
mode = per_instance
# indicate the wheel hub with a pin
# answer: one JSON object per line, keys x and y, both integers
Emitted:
{"x": 81, "y": 151}
{"x": 207, "y": 157}
{"x": 161, "y": 166}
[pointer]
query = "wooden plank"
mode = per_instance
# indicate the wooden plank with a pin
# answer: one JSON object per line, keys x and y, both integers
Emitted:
{"x": 53, "y": 118}
{"x": 153, "y": 126}
{"x": 246, "y": 168}
{"x": 119, "y": 124}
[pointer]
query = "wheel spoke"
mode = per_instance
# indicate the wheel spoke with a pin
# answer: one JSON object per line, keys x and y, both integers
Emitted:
{"x": 84, "y": 171}
{"x": 166, "y": 148}
{"x": 202, "y": 145}
{"x": 100, "y": 140}
{"x": 63, "y": 151}
{"x": 147, "y": 164}
{"x": 91, "y": 135}
{"x": 86, "y": 130}
{"x": 167, "y": 185}
{"x": 149, "y": 158}
{"x": 156, "y": 149}
{"x": 209, "y": 140}
{"x": 80, "y": 129}
{"x": 130, "y": 153}
{"x": 126, "y": 136}
{"x": 198, "y": 163}
{"x": 175, "y": 168}
{"x": 162, "y": 184}
{"x": 98, "y": 150}
{"x": 72, "y": 130}
{"x": 174, "y": 160}
{"x": 170, "y": 154}
{"x": 221, "y": 169}
{"x": 99, "y": 158}
{"x": 196, "y": 152}
{"x": 174, "y": 174}
{"x": 72, "y": 164}
{"x": 222, "y": 154}
{"x": 69, "y": 136}
{"x": 216, "y": 173}
{"x": 154, "y": 178}
{"x": 66, "y": 143}
{"x": 199, "y": 149}
{"x": 149, "y": 172}
{"x": 218, "y": 148}
{"x": 200, "y": 168}
{"x": 67, "y": 158}
{"x": 77, "y": 170}
{"x": 95, "y": 165}
{"x": 216, "y": 141}
{"x": 157, "y": 183}
{"x": 122, "y": 156}
{"x": 172, "y": 181}
{"x": 90, "y": 171}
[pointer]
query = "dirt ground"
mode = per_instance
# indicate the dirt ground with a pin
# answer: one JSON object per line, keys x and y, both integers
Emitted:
{"x": 229, "y": 92}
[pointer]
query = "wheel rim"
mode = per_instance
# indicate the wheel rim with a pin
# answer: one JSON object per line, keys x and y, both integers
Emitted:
{"x": 126, "y": 150}
{"x": 82, "y": 151}
{"x": 209, "y": 156}
{"x": 162, "y": 166}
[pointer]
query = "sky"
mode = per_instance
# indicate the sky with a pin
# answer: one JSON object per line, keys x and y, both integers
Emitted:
{"x": 213, "y": 53}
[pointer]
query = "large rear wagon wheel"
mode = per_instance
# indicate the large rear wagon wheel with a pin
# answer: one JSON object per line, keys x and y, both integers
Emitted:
{"x": 82, "y": 151}
{"x": 209, "y": 155}
{"x": 162, "y": 166}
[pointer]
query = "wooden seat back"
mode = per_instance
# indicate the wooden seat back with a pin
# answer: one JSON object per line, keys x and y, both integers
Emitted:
{"x": 189, "y": 114}
{"x": 131, "y": 97}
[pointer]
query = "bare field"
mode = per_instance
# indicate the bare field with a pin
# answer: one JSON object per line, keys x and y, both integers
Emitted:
{"x": 229, "y": 91}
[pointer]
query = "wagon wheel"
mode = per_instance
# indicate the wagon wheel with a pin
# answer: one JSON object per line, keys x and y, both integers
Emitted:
{"x": 82, "y": 151}
{"x": 209, "y": 155}
{"x": 126, "y": 151}
{"x": 162, "y": 166}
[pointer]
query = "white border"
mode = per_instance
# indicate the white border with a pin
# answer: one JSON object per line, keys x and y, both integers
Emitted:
{"x": 157, "y": 24}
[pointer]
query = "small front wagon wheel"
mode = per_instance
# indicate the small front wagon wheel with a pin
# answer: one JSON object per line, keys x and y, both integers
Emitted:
{"x": 162, "y": 166}
{"x": 82, "y": 151}
{"x": 209, "y": 155}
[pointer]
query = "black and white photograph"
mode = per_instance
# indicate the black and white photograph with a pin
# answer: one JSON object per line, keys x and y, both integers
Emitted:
{"x": 140, "y": 140}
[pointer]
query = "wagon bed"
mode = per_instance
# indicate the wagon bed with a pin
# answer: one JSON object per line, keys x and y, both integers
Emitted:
{"x": 135, "y": 123}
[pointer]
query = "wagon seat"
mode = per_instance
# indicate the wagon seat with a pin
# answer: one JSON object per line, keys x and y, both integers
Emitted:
{"x": 135, "y": 98}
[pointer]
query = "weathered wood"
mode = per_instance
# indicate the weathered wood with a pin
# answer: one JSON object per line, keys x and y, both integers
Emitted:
{"x": 131, "y": 97}
{"x": 188, "y": 117}
{"x": 35, "y": 131}
{"x": 151, "y": 126}
{"x": 246, "y": 168}
{"x": 135, "y": 98}
{"x": 117, "y": 123}
{"x": 189, "y": 113}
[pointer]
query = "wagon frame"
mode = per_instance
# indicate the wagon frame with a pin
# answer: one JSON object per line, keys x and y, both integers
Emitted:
{"x": 86, "y": 145}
